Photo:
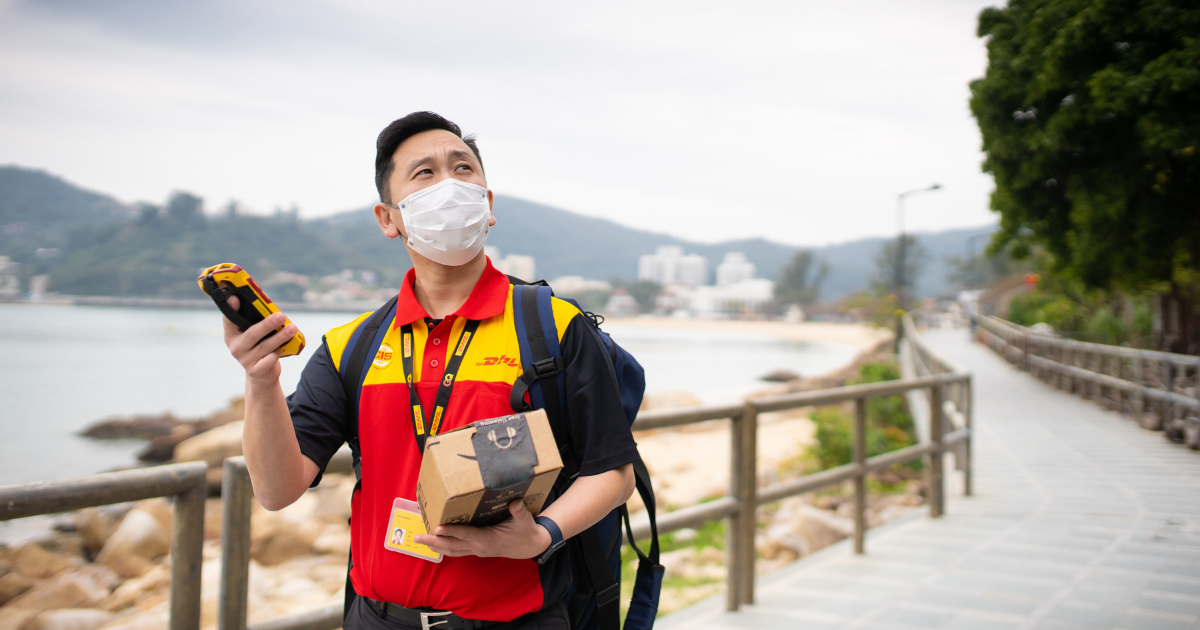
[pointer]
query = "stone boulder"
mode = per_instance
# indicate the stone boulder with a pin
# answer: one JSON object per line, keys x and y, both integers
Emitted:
{"x": 799, "y": 529}
{"x": 151, "y": 587}
{"x": 155, "y": 618}
{"x": 669, "y": 399}
{"x": 33, "y": 561}
{"x": 13, "y": 584}
{"x": 69, "y": 619}
{"x": 94, "y": 528}
{"x": 213, "y": 446}
{"x": 70, "y": 589}
{"x": 13, "y": 618}
{"x": 276, "y": 537}
{"x": 143, "y": 536}
{"x": 134, "y": 427}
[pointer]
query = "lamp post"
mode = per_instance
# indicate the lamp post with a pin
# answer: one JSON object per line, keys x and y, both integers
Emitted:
{"x": 901, "y": 259}
{"x": 901, "y": 289}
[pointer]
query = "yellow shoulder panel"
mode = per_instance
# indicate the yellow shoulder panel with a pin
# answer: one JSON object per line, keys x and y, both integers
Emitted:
{"x": 337, "y": 338}
{"x": 564, "y": 312}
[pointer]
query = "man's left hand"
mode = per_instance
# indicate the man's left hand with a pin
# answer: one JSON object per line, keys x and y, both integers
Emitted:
{"x": 519, "y": 537}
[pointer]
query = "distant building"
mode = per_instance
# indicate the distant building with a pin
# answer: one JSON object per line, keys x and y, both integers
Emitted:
{"x": 621, "y": 304}
{"x": 734, "y": 269}
{"x": 575, "y": 285}
{"x": 515, "y": 265}
{"x": 668, "y": 264}
{"x": 748, "y": 296}
{"x": 10, "y": 282}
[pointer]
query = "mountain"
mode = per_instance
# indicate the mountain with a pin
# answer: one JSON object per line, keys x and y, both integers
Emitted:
{"x": 110, "y": 249}
{"x": 852, "y": 264}
{"x": 564, "y": 243}
{"x": 37, "y": 210}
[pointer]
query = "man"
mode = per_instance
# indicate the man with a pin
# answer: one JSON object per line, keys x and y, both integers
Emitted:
{"x": 434, "y": 196}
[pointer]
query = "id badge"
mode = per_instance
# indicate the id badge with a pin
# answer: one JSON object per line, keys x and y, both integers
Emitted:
{"x": 403, "y": 528}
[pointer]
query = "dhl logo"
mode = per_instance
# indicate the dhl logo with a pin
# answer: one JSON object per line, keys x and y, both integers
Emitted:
{"x": 500, "y": 360}
{"x": 437, "y": 419}
{"x": 418, "y": 420}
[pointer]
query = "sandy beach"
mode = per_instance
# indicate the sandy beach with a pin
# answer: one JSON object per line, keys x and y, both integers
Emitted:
{"x": 861, "y": 336}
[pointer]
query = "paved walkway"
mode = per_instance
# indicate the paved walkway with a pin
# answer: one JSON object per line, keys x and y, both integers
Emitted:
{"x": 1080, "y": 520}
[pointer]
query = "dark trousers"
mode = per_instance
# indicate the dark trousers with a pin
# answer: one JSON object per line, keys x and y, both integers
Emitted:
{"x": 365, "y": 615}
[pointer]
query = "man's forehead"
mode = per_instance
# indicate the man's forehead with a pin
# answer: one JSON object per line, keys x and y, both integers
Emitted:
{"x": 434, "y": 140}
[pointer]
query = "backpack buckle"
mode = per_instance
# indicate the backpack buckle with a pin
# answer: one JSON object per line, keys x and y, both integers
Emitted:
{"x": 547, "y": 367}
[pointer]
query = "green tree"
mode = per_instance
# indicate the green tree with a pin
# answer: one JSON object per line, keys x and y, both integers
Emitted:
{"x": 888, "y": 261}
{"x": 800, "y": 282}
{"x": 1090, "y": 117}
{"x": 184, "y": 208}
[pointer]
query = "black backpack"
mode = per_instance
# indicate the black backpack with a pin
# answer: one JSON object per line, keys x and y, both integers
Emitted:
{"x": 593, "y": 596}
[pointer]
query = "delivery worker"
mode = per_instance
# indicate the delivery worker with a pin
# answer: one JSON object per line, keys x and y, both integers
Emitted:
{"x": 434, "y": 199}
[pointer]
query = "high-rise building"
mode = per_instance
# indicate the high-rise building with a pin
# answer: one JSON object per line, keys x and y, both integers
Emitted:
{"x": 734, "y": 269}
{"x": 668, "y": 264}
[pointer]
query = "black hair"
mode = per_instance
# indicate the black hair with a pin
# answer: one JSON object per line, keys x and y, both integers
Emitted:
{"x": 402, "y": 129}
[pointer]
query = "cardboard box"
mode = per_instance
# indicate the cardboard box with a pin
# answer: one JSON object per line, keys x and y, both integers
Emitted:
{"x": 470, "y": 475}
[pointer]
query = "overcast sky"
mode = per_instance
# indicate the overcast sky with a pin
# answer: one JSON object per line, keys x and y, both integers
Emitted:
{"x": 795, "y": 121}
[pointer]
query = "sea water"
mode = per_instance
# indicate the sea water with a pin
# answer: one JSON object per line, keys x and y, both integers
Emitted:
{"x": 63, "y": 368}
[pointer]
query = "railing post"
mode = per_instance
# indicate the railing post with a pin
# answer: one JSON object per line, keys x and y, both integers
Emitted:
{"x": 1139, "y": 401}
{"x": 235, "y": 545}
{"x": 749, "y": 496}
{"x": 860, "y": 480}
{"x": 968, "y": 412}
{"x": 733, "y": 564}
{"x": 187, "y": 546}
{"x": 934, "y": 476}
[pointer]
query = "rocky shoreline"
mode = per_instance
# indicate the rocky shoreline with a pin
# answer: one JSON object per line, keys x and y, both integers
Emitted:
{"x": 108, "y": 568}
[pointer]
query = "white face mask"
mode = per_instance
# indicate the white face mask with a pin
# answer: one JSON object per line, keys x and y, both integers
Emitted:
{"x": 447, "y": 222}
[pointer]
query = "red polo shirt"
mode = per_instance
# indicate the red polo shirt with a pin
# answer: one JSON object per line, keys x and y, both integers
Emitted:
{"x": 493, "y": 589}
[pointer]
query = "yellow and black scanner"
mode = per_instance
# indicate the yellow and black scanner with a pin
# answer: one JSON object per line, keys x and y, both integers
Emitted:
{"x": 220, "y": 282}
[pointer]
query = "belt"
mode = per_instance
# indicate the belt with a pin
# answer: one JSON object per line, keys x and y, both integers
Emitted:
{"x": 436, "y": 619}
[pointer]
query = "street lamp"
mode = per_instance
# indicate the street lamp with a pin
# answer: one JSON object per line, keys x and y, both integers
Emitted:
{"x": 901, "y": 292}
{"x": 974, "y": 264}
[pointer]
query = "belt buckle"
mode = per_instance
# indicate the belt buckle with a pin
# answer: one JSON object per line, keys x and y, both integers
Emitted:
{"x": 426, "y": 625}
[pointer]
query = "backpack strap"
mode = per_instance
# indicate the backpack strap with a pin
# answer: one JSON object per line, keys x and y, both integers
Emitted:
{"x": 647, "y": 587}
{"x": 365, "y": 342}
{"x": 541, "y": 356}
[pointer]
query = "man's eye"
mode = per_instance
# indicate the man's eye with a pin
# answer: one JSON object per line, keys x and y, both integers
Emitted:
{"x": 425, "y": 171}
{"x": 464, "y": 166}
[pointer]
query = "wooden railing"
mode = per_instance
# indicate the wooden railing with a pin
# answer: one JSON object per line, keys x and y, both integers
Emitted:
{"x": 1160, "y": 390}
{"x": 948, "y": 390}
{"x": 183, "y": 482}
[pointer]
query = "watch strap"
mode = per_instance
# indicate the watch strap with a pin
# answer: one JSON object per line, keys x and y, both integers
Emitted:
{"x": 556, "y": 537}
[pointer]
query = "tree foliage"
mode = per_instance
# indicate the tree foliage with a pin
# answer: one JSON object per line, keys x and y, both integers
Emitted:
{"x": 800, "y": 282}
{"x": 915, "y": 256}
{"x": 1090, "y": 116}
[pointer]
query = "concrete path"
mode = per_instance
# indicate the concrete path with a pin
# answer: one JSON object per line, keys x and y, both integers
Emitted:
{"x": 1080, "y": 519}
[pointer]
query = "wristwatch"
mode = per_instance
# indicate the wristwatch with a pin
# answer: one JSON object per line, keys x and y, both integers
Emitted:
{"x": 556, "y": 537}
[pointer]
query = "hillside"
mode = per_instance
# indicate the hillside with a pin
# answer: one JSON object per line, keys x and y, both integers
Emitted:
{"x": 106, "y": 248}
{"x": 565, "y": 243}
{"x": 37, "y": 210}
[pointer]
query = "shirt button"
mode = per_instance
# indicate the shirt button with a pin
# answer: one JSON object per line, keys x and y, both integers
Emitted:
{"x": 433, "y": 363}
{"x": 437, "y": 341}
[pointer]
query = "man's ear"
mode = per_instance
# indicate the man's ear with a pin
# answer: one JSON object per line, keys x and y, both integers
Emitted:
{"x": 383, "y": 215}
{"x": 491, "y": 209}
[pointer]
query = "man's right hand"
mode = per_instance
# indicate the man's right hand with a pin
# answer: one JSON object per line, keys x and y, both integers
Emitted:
{"x": 260, "y": 360}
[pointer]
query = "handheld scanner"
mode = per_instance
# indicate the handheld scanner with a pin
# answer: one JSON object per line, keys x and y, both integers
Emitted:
{"x": 223, "y": 281}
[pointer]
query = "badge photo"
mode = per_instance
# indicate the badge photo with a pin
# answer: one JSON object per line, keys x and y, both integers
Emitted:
{"x": 403, "y": 527}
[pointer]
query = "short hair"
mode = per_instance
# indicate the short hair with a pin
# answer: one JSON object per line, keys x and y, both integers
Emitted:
{"x": 402, "y": 129}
